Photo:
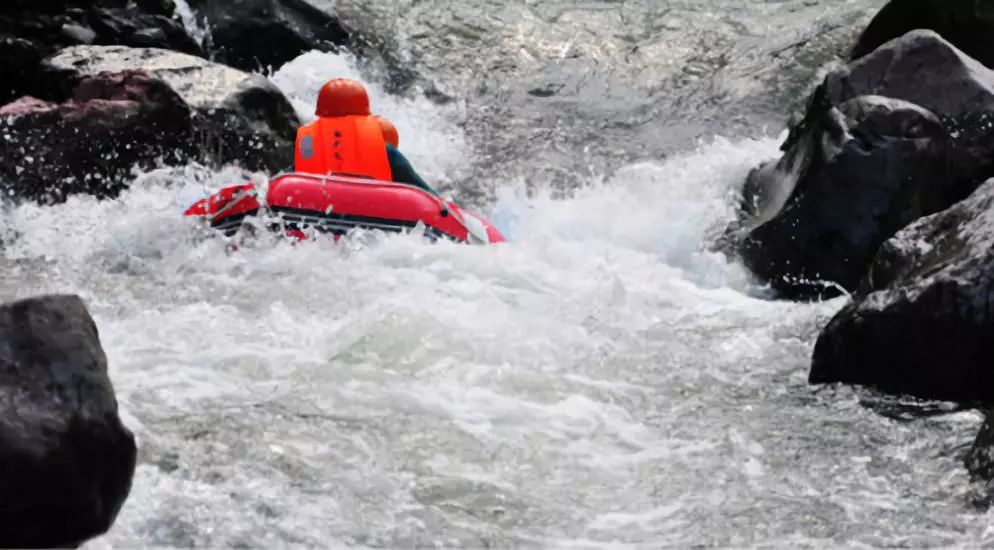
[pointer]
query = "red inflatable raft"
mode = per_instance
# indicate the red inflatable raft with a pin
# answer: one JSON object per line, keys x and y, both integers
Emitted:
{"x": 337, "y": 204}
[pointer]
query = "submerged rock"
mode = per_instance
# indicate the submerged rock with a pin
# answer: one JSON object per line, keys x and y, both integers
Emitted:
{"x": 66, "y": 461}
{"x": 859, "y": 168}
{"x": 256, "y": 35}
{"x": 967, "y": 24}
{"x": 922, "y": 320}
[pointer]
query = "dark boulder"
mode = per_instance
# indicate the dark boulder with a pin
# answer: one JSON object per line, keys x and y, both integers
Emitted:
{"x": 66, "y": 460}
{"x": 763, "y": 194}
{"x": 876, "y": 165}
{"x": 32, "y": 31}
{"x": 922, "y": 321}
{"x": 134, "y": 109}
{"x": 18, "y": 59}
{"x": 967, "y": 24}
{"x": 25, "y": 41}
{"x": 254, "y": 35}
{"x": 237, "y": 117}
{"x": 924, "y": 69}
{"x": 128, "y": 28}
{"x": 846, "y": 183}
{"x": 157, "y": 7}
{"x": 90, "y": 144}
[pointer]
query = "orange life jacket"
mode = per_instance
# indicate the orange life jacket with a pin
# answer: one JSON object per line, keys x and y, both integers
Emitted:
{"x": 348, "y": 145}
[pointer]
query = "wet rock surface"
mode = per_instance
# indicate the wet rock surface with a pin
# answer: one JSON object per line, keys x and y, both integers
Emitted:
{"x": 122, "y": 26}
{"x": 113, "y": 124}
{"x": 66, "y": 461}
{"x": 32, "y": 31}
{"x": 132, "y": 109}
{"x": 845, "y": 184}
{"x": 238, "y": 117}
{"x": 254, "y": 35}
{"x": 119, "y": 119}
{"x": 872, "y": 166}
{"x": 967, "y": 24}
{"x": 921, "y": 322}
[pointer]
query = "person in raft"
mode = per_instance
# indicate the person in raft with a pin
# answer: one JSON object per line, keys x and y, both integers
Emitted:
{"x": 346, "y": 138}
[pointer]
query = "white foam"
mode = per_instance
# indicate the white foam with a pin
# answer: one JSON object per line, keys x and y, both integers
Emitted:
{"x": 579, "y": 375}
{"x": 601, "y": 377}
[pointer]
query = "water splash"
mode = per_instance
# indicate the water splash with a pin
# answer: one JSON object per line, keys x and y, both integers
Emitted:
{"x": 600, "y": 380}
{"x": 196, "y": 29}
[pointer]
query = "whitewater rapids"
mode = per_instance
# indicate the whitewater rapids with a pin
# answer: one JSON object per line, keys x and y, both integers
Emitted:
{"x": 600, "y": 380}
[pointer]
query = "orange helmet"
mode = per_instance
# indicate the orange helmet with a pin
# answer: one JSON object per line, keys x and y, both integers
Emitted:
{"x": 390, "y": 133}
{"x": 342, "y": 97}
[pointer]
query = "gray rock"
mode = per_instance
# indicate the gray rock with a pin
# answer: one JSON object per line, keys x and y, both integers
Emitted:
{"x": 32, "y": 30}
{"x": 114, "y": 123}
{"x": 241, "y": 118}
{"x": 923, "y": 68}
{"x": 128, "y": 27}
{"x": 78, "y": 33}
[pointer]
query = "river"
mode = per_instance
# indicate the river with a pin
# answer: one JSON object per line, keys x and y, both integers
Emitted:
{"x": 601, "y": 380}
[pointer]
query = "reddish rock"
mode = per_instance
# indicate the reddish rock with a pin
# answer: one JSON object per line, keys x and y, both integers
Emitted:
{"x": 90, "y": 144}
{"x": 26, "y": 106}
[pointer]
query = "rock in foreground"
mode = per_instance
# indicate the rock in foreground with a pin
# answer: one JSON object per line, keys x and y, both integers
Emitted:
{"x": 922, "y": 323}
{"x": 66, "y": 461}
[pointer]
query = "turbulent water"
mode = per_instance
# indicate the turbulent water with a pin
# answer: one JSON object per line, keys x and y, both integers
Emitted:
{"x": 600, "y": 380}
{"x": 560, "y": 91}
